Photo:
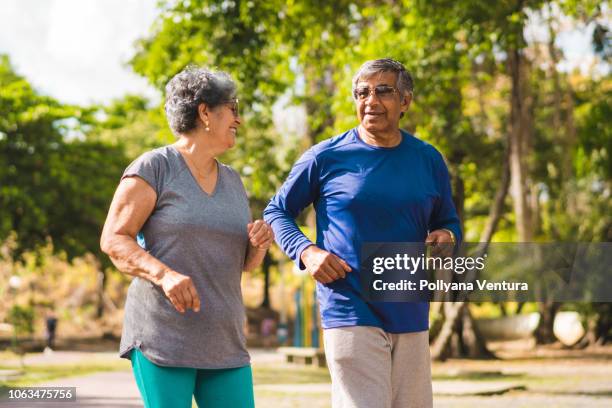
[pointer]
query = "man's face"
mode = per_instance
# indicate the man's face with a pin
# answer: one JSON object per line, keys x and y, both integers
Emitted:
{"x": 379, "y": 111}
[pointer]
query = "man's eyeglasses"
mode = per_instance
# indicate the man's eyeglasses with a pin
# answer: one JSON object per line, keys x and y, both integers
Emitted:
{"x": 381, "y": 91}
{"x": 233, "y": 105}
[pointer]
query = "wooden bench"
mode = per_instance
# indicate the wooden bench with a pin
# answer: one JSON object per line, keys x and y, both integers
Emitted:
{"x": 304, "y": 355}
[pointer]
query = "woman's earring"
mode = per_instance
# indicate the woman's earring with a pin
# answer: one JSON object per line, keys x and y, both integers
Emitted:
{"x": 206, "y": 128}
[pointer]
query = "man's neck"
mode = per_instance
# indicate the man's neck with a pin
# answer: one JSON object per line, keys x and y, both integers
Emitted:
{"x": 382, "y": 139}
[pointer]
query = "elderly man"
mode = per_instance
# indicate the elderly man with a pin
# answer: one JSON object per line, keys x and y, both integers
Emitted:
{"x": 373, "y": 183}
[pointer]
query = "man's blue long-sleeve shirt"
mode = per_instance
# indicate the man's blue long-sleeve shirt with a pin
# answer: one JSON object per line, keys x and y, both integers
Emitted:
{"x": 363, "y": 193}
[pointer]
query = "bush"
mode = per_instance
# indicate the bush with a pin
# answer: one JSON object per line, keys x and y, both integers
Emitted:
{"x": 22, "y": 319}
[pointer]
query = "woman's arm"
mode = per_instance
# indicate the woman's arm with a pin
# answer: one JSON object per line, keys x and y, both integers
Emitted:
{"x": 132, "y": 205}
{"x": 260, "y": 239}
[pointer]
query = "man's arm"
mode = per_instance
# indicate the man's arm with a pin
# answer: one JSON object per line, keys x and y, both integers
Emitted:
{"x": 299, "y": 191}
{"x": 444, "y": 223}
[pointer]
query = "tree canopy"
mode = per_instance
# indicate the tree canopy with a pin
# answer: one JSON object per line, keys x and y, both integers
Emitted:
{"x": 51, "y": 183}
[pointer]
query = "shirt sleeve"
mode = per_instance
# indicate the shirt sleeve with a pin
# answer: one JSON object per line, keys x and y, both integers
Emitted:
{"x": 299, "y": 191}
{"x": 444, "y": 214}
{"x": 147, "y": 167}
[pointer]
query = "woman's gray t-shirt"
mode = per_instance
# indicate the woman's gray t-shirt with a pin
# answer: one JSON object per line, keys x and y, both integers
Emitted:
{"x": 204, "y": 237}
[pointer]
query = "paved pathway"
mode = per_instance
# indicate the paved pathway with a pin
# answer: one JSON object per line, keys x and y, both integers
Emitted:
{"x": 117, "y": 389}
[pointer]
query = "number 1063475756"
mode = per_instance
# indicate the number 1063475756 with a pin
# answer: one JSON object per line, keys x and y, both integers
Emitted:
{"x": 41, "y": 394}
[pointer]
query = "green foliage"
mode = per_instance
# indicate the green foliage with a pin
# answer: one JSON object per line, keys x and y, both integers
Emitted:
{"x": 309, "y": 50}
{"x": 51, "y": 183}
{"x": 85, "y": 194}
{"x": 237, "y": 37}
{"x": 594, "y": 117}
{"x": 263, "y": 163}
{"x": 22, "y": 319}
{"x": 130, "y": 124}
{"x": 233, "y": 36}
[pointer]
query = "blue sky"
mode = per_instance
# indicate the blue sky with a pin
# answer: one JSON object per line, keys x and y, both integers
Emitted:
{"x": 76, "y": 50}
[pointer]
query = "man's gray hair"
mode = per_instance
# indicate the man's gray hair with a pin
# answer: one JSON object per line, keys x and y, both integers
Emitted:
{"x": 191, "y": 87}
{"x": 373, "y": 67}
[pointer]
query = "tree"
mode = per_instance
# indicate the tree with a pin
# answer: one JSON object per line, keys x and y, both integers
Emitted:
{"x": 481, "y": 97}
{"x": 51, "y": 186}
{"x": 322, "y": 45}
{"x": 130, "y": 123}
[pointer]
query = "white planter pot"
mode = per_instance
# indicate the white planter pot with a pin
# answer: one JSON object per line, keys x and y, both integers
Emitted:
{"x": 568, "y": 328}
{"x": 508, "y": 328}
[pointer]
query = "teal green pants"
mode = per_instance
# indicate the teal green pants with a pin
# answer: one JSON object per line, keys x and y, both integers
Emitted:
{"x": 173, "y": 387}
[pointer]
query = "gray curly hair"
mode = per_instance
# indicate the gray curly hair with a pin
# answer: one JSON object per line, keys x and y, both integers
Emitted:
{"x": 191, "y": 87}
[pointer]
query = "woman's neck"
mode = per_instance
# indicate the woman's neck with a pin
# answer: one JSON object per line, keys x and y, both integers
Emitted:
{"x": 195, "y": 148}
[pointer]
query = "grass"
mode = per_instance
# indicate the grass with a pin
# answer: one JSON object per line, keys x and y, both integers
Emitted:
{"x": 35, "y": 374}
{"x": 291, "y": 400}
{"x": 295, "y": 374}
{"x": 481, "y": 376}
{"x": 289, "y": 374}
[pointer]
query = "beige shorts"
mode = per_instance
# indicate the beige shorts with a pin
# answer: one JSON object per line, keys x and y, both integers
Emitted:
{"x": 371, "y": 368}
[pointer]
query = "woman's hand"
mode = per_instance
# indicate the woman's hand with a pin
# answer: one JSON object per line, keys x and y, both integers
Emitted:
{"x": 180, "y": 290}
{"x": 261, "y": 235}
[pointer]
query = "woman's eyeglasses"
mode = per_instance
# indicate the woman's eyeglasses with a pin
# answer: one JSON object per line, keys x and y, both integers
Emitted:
{"x": 381, "y": 91}
{"x": 233, "y": 105}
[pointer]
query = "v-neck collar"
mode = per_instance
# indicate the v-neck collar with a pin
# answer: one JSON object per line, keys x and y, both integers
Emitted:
{"x": 194, "y": 178}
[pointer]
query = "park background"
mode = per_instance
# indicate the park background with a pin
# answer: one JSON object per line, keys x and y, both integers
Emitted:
{"x": 516, "y": 95}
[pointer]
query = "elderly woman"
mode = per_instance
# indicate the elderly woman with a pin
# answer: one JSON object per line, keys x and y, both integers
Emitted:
{"x": 184, "y": 316}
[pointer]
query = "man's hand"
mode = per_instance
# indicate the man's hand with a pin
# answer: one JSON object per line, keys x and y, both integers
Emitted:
{"x": 180, "y": 290}
{"x": 442, "y": 242}
{"x": 325, "y": 267}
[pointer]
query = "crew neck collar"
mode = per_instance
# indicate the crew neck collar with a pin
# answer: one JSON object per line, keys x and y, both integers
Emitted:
{"x": 360, "y": 140}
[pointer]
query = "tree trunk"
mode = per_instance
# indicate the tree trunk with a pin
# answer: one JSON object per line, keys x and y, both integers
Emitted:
{"x": 570, "y": 139}
{"x": 497, "y": 206}
{"x": 566, "y": 136}
{"x": 318, "y": 84}
{"x": 459, "y": 336}
{"x": 442, "y": 348}
{"x": 518, "y": 143}
{"x": 553, "y": 54}
{"x": 459, "y": 197}
{"x": 544, "y": 333}
{"x": 563, "y": 103}
{"x": 473, "y": 342}
{"x": 603, "y": 326}
{"x": 267, "y": 263}
{"x": 100, "y": 288}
